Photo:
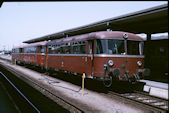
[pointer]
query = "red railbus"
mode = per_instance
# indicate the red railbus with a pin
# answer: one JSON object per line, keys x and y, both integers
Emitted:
{"x": 103, "y": 55}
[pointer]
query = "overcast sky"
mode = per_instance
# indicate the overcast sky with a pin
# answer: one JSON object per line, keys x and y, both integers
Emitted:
{"x": 20, "y": 21}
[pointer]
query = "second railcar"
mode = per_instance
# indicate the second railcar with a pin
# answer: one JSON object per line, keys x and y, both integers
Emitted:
{"x": 30, "y": 54}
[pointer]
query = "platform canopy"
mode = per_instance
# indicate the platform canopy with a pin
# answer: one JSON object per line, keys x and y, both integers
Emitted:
{"x": 149, "y": 21}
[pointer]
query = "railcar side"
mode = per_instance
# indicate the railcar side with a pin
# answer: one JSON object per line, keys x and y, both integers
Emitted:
{"x": 30, "y": 54}
{"x": 104, "y": 55}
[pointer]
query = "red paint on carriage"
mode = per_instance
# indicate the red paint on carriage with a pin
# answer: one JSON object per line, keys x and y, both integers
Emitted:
{"x": 101, "y": 54}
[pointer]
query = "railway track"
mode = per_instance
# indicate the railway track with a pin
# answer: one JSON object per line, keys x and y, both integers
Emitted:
{"x": 143, "y": 100}
{"x": 47, "y": 92}
{"x": 138, "y": 99}
{"x": 19, "y": 95}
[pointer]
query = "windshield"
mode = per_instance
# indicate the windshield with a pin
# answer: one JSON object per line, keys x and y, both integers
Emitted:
{"x": 133, "y": 48}
{"x": 116, "y": 47}
{"x": 100, "y": 46}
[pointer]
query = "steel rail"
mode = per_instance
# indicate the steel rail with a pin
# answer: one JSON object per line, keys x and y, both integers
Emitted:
{"x": 146, "y": 93}
{"x": 20, "y": 92}
{"x": 19, "y": 75}
{"x": 144, "y": 100}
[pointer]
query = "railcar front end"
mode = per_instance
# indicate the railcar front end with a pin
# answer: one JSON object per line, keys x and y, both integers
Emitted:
{"x": 119, "y": 59}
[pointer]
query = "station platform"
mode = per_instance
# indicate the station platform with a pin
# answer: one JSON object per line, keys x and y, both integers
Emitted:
{"x": 157, "y": 89}
{"x": 90, "y": 102}
{"x": 6, "y": 57}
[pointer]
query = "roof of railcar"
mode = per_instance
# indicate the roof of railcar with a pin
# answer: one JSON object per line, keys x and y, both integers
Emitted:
{"x": 98, "y": 35}
{"x": 32, "y": 45}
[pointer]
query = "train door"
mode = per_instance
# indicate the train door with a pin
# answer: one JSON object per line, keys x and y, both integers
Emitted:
{"x": 46, "y": 56}
{"x": 90, "y": 58}
{"x": 41, "y": 55}
{"x": 21, "y": 55}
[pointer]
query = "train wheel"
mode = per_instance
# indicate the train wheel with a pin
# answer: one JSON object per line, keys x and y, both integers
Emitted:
{"x": 107, "y": 81}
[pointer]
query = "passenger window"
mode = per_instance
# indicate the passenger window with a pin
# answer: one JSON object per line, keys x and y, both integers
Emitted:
{"x": 30, "y": 50}
{"x": 91, "y": 46}
{"x": 100, "y": 46}
{"x": 82, "y": 49}
{"x": 49, "y": 49}
{"x": 20, "y": 50}
{"x": 41, "y": 49}
{"x": 75, "y": 50}
{"x": 132, "y": 47}
{"x": 67, "y": 50}
{"x": 61, "y": 50}
{"x": 16, "y": 50}
{"x": 79, "y": 47}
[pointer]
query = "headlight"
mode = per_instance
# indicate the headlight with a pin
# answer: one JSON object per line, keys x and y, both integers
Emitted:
{"x": 139, "y": 63}
{"x": 125, "y": 36}
{"x": 110, "y": 62}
